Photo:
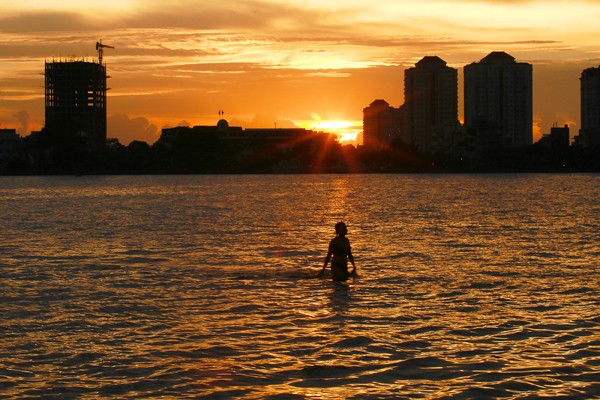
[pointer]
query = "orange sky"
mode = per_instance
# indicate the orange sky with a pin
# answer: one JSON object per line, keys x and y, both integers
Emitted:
{"x": 312, "y": 63}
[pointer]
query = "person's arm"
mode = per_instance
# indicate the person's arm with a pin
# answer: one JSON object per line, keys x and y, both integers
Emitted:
{"x": 351, "y": 258}
{"x": 327, "y": 258}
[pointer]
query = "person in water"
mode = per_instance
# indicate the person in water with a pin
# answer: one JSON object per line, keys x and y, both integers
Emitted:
{"x": 339, "y": 248}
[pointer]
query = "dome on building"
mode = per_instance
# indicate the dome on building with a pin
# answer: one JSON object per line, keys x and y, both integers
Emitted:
{"x": 222, "y": 125}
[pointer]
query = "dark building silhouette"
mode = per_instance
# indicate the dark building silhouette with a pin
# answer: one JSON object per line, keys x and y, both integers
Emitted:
{"x": 222, "y": 130}
{"x": 589, "y": 134}
{"x": 279, "y": 137}
{"x": 226, "y": 148}
{"x": 11, "y": 159}
{"x": 430, "y": 111}
{"x": 9, "y": 140}
{"x": 498, "y": 101}
{"x": 381, "y": 124}
{"x": 75, "y": 94}
{"x": 557, "y": 139}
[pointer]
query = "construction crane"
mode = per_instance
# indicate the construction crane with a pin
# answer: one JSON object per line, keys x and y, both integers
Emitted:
{"x": 100, "y": 47}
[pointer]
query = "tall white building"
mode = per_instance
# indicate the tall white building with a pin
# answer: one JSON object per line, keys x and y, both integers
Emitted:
{"x": 431, "y": 106}
{"x": 498, "y": 101}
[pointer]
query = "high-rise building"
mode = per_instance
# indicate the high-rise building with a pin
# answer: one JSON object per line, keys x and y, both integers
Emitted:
{"x": 498, "y": 101}
{"x": 430, "y": 111}
{"x": 381, "y": 124}
{"x": 589, "y": 134}
{"x": 75, "y": 94}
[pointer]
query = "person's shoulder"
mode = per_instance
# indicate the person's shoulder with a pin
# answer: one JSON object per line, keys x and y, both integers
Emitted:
{"x": 340, "y": 240}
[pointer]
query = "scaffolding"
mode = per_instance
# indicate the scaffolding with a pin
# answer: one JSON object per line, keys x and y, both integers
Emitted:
{"x": 75, "y": 100}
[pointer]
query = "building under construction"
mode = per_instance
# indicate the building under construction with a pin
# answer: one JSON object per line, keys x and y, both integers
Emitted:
{"x": 75, "y": 93}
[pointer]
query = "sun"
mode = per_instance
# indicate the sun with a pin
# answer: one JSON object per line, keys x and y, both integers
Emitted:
{"x": 346, "y": 131}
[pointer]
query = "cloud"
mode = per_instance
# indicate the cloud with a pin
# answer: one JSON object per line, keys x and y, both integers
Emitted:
{"x": 247, "y": 15}
{"x": 265, "y": 120}
{"x": 24, "y": 119}
{"x": 46, "y": 22}
{"x": 273, "y": 33}
{"x": 120, "y": 126}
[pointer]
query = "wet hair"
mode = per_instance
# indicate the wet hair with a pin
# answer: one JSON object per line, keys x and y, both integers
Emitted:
{"x": 341, "y": 227}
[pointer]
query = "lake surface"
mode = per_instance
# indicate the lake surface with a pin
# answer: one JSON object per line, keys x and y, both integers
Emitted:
{"x": 470, "y": 286}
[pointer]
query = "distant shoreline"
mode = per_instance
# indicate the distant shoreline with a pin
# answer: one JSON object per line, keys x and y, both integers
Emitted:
{"x": 450, "y": 172}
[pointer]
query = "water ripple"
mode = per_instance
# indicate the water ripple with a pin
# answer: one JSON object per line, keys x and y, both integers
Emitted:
{"x": 204, "y": 287}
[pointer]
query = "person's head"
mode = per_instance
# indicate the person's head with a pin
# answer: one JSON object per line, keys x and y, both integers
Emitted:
{"x": 341, "y": 229}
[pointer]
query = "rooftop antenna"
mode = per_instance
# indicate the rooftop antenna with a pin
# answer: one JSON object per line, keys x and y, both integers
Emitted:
{"x": 100, "y": 47}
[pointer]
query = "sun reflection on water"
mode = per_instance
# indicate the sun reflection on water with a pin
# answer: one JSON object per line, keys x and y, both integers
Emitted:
{"x": 178, "y": 286}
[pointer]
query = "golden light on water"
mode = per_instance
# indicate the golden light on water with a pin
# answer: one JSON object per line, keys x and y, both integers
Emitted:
{"x": 203, "y": 286}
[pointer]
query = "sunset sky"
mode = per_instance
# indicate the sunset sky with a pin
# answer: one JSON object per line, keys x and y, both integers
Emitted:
{"x": 310, "y": 63}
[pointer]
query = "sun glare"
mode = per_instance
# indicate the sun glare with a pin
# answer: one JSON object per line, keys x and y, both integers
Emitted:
{"x": 346, "y": 131}
{"x": 348, "y": 137}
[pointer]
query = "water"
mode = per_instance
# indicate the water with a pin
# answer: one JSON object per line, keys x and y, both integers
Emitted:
{"x": 476, "y": 286}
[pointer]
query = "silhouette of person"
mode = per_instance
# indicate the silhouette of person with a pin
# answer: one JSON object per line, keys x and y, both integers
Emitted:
{"x": 339, "y": 247}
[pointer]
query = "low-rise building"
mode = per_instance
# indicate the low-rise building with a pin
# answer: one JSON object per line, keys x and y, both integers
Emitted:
{"x": 9, "y": 141}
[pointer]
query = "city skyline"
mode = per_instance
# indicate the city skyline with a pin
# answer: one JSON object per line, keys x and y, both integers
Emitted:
{"x": 267, "y": 63}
